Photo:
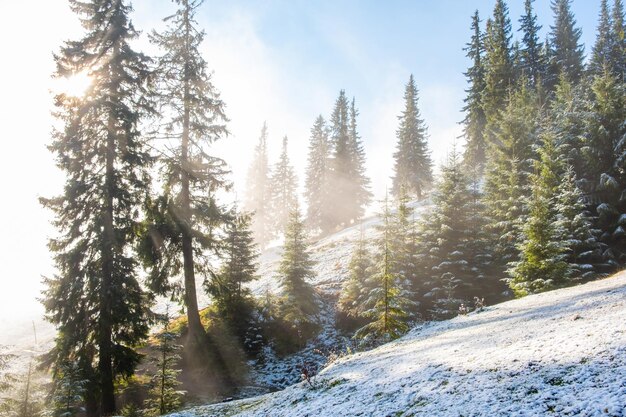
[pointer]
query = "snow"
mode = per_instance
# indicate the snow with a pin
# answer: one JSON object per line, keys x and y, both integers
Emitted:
{"x": 560, "y": 353}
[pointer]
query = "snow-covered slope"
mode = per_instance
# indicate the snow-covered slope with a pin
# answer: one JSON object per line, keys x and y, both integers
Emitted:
{"x": 561, "y": 353}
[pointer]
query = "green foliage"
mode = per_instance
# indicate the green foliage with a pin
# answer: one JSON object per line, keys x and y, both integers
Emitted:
{"x": 413, "y": 165}
{"x": 258, "y": 192}
{"x": 317, "y": 183}
{"x": 163, "y": 395}
{"x": 283, "y": 185}
{"x": 566, "y": 53}
{"x": 533, "y": 60}
{"x": 68, "y": 390}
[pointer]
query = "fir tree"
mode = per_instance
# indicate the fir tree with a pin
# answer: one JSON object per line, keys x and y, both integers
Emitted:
{"x": 163, "y": 396}
{"x": 283, "y": 186}
{"x": 231, "y": 297}
{"x": 360, "y": 181}
{"x": 69, "y": 389}
{"x": 498, "y": 62}
{"x": 317, "y": 177}
{"x": 542, "y": 265}
{"x": 193, "y": 119}
{"x": 618, "y": 37}
{"x": 602, "y": 49}
{"x": 413, "y": 166}
{"x": 474, "y": 122}
{"x": 532, "y": 58}
{"x": 358, "y": 284}
{"x": 298, "y": 306}
{"x": 566, "y": 52}
{"x": 95, "y": 301}
{"x": 258, "y": 194}
{"x": 386, "y": 306}
{"x": 507, "y": 177}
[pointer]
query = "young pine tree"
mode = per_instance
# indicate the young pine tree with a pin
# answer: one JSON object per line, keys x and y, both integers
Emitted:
{"x": 357, "y": 286}
{"x": 317, "y": 177}
{"x": 298, "y": 304}
{"x": 386, "y": 306}
{"x": 192, "y": 119}
{"x": 474, "y": 121}
{"x": 258, "y": 194}
{"x": 413, "y": 165}
{"x": 95, "y": 300}
{"x": 68, "y": 390}
{"x": 163, "y": 396}
{"x": 232, "y": 299}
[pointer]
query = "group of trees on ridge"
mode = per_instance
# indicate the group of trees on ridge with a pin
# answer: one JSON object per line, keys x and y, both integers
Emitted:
{"x": 534, "y": 202}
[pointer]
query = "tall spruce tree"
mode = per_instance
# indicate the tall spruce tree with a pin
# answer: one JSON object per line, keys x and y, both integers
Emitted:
{"x": 532, "y": 58}
{"x": 567, "y": 52}
{"x": 475, "y": 121}
{"x": 602, "y": 49}
{"x": 618, "y": 37}
{"x": 283, "y": 184}
{"x": 413, "y": 165}
{"x": 499, "y": 73}
{"x": 95, "y": 300}
{"x": 258, "y": 193}
{"x": 185, "y": 215}
{"x": 360, "y": 181}
{"x": 507, "y": 175}
{"x": 317, "y": 177}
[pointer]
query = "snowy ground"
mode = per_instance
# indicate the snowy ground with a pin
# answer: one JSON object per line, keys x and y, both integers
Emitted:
{"x": 561, "y": 353}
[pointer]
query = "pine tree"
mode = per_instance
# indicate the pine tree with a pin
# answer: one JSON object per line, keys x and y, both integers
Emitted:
{"x": 566, "y": 51}
{"x": 507, "y": 176}
{"x": 192, "y": 119}
{"x": 532, "y": 58}
{"x": 474, "y": 121}
{"x": 95, "y": 301}
{"x": 542, "y": 263}
{"x": 498, "y": 62}
{"x": 298, "y": 305}
{"x": 618, "y": 36}
{"x": 317, "y": 177}
{"x": 603, "y": 151}
{"x": 360, "y": 181}
{"x": 163, "y": 396}
{"x": 283, "y": 184}
{"x": 413, "y": 165}
{"x": 347, "y": 166}
{"x": 387, "y": 307}
{"x": 258, "y": 193}
{"x": 231, "y": 297}
{"x": 602, "y": 49}
{"x": 358, "y": 284}
{"x": 7, "y": 381}
{"x": 68, "y": 391}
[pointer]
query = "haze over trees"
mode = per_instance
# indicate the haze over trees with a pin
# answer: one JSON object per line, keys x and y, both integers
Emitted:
{"x": 534, "y": 202}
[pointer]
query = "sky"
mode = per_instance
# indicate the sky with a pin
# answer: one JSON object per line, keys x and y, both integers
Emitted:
{"x": 280, "y": 61}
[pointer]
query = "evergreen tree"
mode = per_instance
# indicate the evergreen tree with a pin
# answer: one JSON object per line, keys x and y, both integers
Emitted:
{"x": 498, "y": 62}
{"x": 192, "y": 119}
{"x": 386, "y": 307}
{"x": 232, "y": 299}
{"x": 258, "y": 193}
{"x": 566, "y": 52}
{"x": 474, "y": 122}
{"x": 413, "y": 165}
{"x": 347, "y": 170}
{"x": 68, "y": 391}
{"x": 543, "y": 250}
{"x": 618, "y": 37}
{"x": 532, "y": 58}
{"x": 95, "y": 301}
{"x": 317, "y": 176}
{"x": 507, "y": 177}
{"x": 298, "y": 306}
{"x": 357, "y": 286}
{"x": 163, "y": 396}
{"x": 602, "y": 49}
{"x": 604, "y": 153}
{"x": 283, "y": 184}
{"x": 360, "y": 181}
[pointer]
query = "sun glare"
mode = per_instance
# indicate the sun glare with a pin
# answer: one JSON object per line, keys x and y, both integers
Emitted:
{"x": 75, "y": 85}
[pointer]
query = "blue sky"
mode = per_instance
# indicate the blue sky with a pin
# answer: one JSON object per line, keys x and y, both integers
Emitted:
{"x": 275, "y": 60}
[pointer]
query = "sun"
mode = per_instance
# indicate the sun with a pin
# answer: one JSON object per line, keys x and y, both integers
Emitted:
{"x": 75, "y": 85}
